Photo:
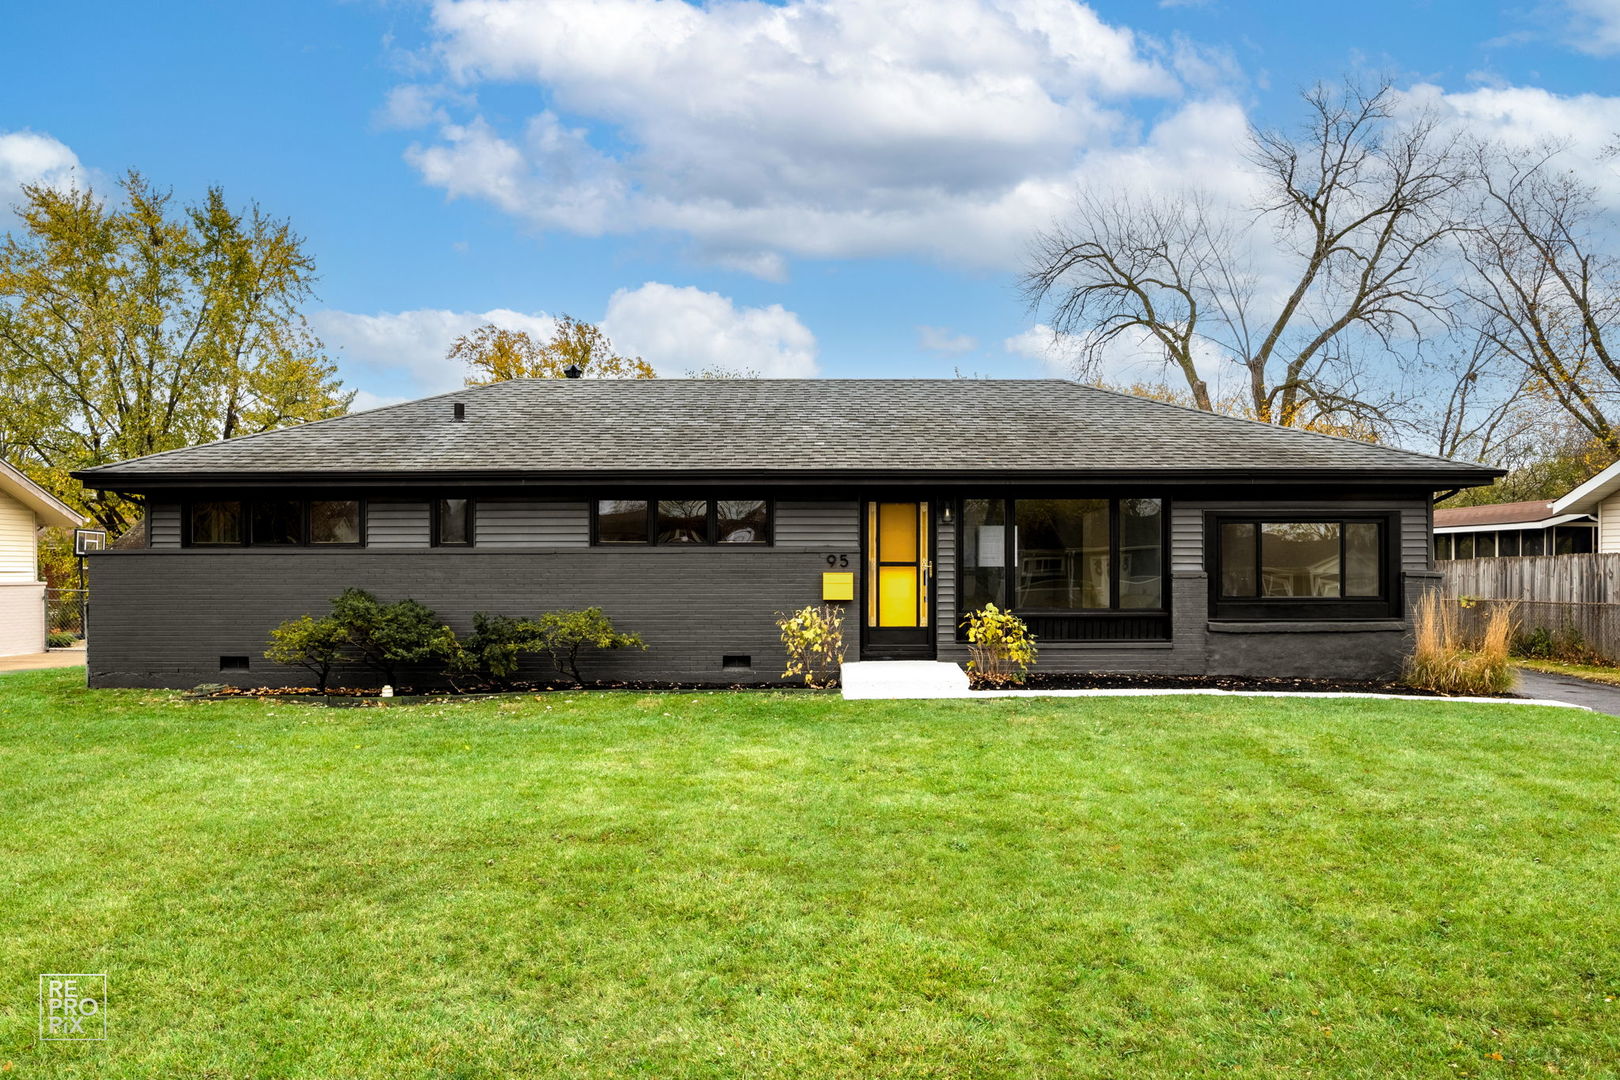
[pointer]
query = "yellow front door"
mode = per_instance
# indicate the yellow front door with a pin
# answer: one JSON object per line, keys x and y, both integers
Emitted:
{"x": 897, "y": 565}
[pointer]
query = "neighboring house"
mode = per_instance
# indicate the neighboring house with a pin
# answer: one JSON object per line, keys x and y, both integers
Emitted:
{"x": 1132, "y": 535}
{"x": 25, "y": 508}
{"x": 1508, "y": 530}
{"x": 1599, "y": 497}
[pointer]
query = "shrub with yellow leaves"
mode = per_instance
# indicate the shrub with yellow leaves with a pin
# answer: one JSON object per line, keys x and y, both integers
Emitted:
{"x": 1001, "y": 648}
{"x": 814, "y": 639}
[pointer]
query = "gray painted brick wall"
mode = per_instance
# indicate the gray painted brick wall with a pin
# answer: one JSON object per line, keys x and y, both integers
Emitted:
{"x": 164, "y": 615}
{"x": 165, "y": 619}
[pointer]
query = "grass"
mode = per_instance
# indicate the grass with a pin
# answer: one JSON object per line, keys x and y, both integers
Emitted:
{"x": 771, "y": 885}
{"x": 1603, "y": 673}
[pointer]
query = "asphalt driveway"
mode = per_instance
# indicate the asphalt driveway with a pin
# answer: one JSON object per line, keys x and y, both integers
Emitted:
{"x": 1539, "y": 684}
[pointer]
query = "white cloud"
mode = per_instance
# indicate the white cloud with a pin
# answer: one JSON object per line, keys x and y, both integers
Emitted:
{"x": 943, "y": 340}
{"x": 411, "y": 106}
{"x": 395, "y": 356}
{"x": 1595, "y": 26}
{"x": 1524, "y": 116}
{"x": 681, "y": 329}
{"x": 815, "y": 127}
{"x": 29, "y": 157}
{"x": 406, "y": 349}
{"x": 1125, "y": 360}
{"x": 1058, "y": 353}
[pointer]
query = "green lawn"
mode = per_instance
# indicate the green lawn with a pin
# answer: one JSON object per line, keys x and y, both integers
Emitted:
{"x": 1592, "y": 672}
{"x": 768, "y": 885}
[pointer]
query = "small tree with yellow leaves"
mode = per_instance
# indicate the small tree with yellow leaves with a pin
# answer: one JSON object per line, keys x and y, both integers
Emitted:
{"x": 494, "y": 354}
{"x": 1001, "y": 648}
{"x": 814, "y": 639}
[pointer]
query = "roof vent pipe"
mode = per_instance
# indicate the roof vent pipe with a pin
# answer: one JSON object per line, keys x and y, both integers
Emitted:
{"x": 573, "y": 371}
{"x": 459, "y": 410}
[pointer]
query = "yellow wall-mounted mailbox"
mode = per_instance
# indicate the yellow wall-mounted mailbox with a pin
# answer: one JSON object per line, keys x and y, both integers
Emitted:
{"x": 838, "y": 586}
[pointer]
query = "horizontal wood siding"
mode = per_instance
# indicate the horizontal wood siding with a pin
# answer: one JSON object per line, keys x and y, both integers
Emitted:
{"x": 1186, "y": 538}
{"x": 834, "y": 526}
{"x": 163, "y": 525}
{"x": 1608, "y": 530}
{"x": 398, "y": 525}
{"x": 517, "y": 523}
{"x": 19, "y": 561}
{"x": 945, "y": 615}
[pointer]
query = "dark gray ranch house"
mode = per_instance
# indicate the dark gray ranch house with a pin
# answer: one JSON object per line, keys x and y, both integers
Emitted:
{"x": 1132, "y": 535}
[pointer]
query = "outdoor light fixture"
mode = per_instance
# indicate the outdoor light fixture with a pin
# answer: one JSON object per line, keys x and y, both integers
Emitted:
{"x": 945, "y": 514}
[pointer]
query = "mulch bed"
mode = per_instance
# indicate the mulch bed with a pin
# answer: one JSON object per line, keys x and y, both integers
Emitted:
{"x": 405, "y": 695}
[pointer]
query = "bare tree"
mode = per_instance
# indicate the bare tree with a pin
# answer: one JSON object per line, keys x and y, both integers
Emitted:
{"x": 1359, "y": 205}
{"x": 1543, "y": 297}
{"x": 1468, "y": 404}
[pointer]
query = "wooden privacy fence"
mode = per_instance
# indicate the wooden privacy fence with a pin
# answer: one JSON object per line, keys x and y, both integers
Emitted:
{"x": 1565, "y": 579}
{"x": 1559, "y": 593}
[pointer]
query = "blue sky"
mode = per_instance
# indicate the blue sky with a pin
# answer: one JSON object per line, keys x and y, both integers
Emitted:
{"x": 839, "y": 188}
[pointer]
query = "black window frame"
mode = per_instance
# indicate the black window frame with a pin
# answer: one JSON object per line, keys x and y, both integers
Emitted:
{"x": 309, "y": 523}
{"x": 1386, "y": 605}
{"x": 243, "y": 527}
{"x": 1112, "y": 623}
{"x": 711, "y": 526}
{"x": 246, "y": 531}
{"x": 434, "y": 537}
{"x": 301, "y": 514}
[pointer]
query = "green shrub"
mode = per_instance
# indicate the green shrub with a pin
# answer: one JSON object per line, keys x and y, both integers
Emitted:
{"x": 61, "y": 639}
{"x": 814, "y": 639}
{"x": 1001, "y": 648}
{"x": 498, "y": 643}
{"x": 1566, "y": 645}
{"x": 563, "y": 635}
{"x": 385, "y": 637}
{"x": 1444, "y": 662}
{"x": 310, "y": 643}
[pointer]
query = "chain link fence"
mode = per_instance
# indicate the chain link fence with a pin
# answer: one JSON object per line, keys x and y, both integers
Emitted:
{"x": 66, "y": 610}
{"x": 1593, "y": 627}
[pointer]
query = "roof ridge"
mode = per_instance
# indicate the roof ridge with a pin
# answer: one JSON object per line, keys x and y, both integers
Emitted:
{"x": 235, "y": 439}
{"x": 1267, "y": 425}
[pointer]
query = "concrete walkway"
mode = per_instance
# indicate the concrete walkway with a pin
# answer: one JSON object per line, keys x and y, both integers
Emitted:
{"x": 907, "y": 680}
{"x": 1598, "y": 697}
{"x": 37, "y": 661}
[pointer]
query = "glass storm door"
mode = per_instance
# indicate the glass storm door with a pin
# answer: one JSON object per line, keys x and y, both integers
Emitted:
{"x": 898, "y": 580}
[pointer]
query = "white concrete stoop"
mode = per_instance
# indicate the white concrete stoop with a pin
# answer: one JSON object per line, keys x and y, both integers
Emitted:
{"x": 903, "y": 679}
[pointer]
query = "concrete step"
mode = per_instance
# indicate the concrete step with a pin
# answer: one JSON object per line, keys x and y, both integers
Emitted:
{"x": 867, "y": 680}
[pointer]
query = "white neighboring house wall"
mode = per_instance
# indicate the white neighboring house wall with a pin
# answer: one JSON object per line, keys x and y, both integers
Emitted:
{"x": 24, "y": 509}
{"x": 1599, "y": 496}
{"x": 1608, "y": 515}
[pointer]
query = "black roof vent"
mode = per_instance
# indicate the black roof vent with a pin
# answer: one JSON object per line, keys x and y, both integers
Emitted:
{"x": 573, "y": 371}
{"x": 459, "y": 410}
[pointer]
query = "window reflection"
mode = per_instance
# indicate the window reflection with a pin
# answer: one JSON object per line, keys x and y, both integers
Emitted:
{"x": 742, "y": 521}
{"x": 683, "y": 521}
{"x": 1063, "y": 553}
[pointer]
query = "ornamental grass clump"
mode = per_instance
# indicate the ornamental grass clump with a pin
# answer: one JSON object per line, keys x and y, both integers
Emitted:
{"x": 1001, "y": 648}
{"x": 1443, "y": 660}
{"x": 814, "y": 639}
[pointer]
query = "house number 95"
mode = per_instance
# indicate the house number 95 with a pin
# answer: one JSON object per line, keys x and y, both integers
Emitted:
{"x": 838, "y": 560}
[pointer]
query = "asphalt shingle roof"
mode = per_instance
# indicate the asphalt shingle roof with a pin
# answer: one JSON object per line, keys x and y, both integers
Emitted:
{"x": 569, "y": 427}
{"x": 1493, "y": 514}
